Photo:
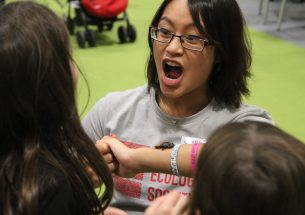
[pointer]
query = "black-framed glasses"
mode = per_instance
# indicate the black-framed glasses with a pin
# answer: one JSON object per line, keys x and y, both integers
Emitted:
{"x": 191, "y": 42}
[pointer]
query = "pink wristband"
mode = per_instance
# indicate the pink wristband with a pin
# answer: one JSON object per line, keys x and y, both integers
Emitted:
{"x": 194, "y": 155}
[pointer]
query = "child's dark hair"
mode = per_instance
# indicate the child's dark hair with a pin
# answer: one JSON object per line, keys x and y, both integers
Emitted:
{"x": 39, "y": 120}
{"x": 250, "y": 168}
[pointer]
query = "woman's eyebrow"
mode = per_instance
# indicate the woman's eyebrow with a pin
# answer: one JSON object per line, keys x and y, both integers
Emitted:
{"x": 166, "y": 19}
{"x": 172, "y": 23}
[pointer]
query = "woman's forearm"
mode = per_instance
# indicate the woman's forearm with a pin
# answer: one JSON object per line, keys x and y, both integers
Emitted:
{"x": 157, "y": 160}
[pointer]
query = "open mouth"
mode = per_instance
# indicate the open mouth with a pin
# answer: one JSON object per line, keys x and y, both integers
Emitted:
{"x": 172, "y": 70}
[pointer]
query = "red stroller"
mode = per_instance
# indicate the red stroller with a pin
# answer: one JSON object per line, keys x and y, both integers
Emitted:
{"x": 100, "y": 13}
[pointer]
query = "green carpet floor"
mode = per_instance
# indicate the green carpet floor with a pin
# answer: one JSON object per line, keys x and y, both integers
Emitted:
{"x": 278, "y": 68}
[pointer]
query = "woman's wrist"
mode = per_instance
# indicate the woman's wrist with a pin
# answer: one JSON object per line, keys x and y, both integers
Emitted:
{"x": 136, "y": 160}
{"x": 193, "y": 158}
{"x": 151, "y": 160}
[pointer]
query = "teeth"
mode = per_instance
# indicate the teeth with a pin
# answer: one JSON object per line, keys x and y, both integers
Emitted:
{"x": 172, "y": 64}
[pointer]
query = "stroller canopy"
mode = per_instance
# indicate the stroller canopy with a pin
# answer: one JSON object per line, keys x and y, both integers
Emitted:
{"x": 104, "y": 8}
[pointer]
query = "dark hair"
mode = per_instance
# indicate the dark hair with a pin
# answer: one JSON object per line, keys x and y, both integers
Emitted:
{"x": 225, "y": 29}
{"x": 250, "y": 168}
{"x": 39, "y": 119}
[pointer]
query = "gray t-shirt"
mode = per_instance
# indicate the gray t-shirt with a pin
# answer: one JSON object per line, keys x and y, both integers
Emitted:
{"x": 135, "y": 117}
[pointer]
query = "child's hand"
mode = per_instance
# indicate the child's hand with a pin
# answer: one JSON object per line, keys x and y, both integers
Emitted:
{"x": 173, "y": 203}
{"x": 107, "y": 154}
{"x": 114, "y": 211}
{"x": 117, "y": 155}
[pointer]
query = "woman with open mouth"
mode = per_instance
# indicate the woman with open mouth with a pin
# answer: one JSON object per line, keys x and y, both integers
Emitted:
{"x": 197, "y": 73}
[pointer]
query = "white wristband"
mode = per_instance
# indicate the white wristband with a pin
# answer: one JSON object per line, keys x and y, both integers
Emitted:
{"x": 174, "y": 156}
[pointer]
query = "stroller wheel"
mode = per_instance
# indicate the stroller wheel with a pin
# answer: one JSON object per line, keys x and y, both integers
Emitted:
{"x": 90, "y": 37}
{"x": 122, "y": 33}
{"x": 109, "y": 26}
{"x": 81, "y": 40}
{"x": 132, "y": 34}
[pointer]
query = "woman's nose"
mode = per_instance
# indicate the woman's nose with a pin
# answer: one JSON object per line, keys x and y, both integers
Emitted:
{"x": 175, "y": 47}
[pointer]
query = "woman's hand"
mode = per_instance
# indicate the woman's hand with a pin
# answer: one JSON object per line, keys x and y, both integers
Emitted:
{"x": 118, "y": 156}
{"x": 173, "y": 203}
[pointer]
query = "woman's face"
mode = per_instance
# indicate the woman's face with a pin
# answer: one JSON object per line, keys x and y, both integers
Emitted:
{"x": 181, "y": 72}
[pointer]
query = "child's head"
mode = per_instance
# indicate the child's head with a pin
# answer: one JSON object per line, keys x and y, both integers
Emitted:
{"x": 250, "y": 168}
{"x": 36, "y": 84}
{"x": 39, "y": 119}
{"x": 220, "y": 67}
